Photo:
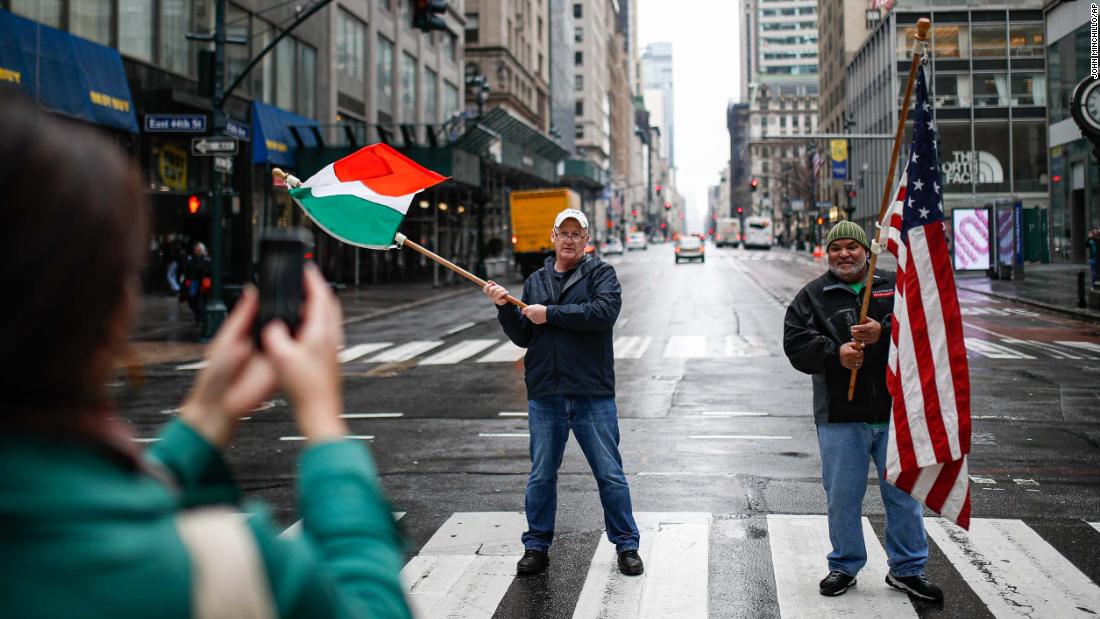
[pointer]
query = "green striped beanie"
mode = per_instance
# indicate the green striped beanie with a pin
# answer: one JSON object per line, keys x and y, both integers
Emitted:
{"x": 847, "y": 230}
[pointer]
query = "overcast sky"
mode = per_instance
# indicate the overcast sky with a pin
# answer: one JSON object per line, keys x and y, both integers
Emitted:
{"x": 705, "y": 68}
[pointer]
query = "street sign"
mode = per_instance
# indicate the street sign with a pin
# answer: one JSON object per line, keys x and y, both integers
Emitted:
{"x": 797, "y": 204}
{"x": 223, "y": 164}
{"x": 209, "y": 146}
{"x": 824, "y": 204}
{"x": 238, "y": 129}
{"x": 175, "y": 123}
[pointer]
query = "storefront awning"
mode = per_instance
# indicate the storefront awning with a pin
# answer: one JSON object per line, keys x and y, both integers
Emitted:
{"x": 65, "y": 73}
{"x": 277, "y": 133}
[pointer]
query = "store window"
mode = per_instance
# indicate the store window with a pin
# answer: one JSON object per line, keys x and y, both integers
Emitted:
{"x": 91, "y": 19}
{"x": 1029, "y": 88}
{"x": 949, "y": 41}
{"x": 408, "y": 88}
{"x": 383, "y": 71}
{"x": 990, "y": 89}
{"x": 176, "y": 52}
{"x": 135, "y": 29}
{"x": 350, "y": 65}
{"x": 1026, "y": 39}
{"x": 1029, "y": 156}
{"x": 988, "y": 40}
{"x": 956, "y": 156}
{"x": 42, "y": 11}
{"x": 431, "y": 96}
{"x": 951, "y": 90}
{"x": 990, "y": 163}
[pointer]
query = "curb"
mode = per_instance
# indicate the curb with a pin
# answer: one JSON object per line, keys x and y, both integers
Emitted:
{"x": 1075, "y": 313}
{"x": 410, "y": 305}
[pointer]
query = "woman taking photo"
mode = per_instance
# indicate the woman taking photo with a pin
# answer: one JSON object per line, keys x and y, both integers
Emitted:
{"x": 91, "y": 527}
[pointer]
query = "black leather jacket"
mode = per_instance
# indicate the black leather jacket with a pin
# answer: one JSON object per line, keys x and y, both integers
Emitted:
{"x": 818, "y": 322}
{"x": 573, "y": 353}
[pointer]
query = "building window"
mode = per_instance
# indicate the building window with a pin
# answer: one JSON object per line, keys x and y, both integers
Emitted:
{"x": 1029, "y": 156}
{"x": 578, "y": 82}
{"x": 951, "y": 90}
{"x": 578, "y": 34}
{"x": 350, "y": 36}
{"x": 577, "y": 10}
{"x": 956, "y": 155}
{"x": 408, "y": 88}
{"x": 42, "y": 11}
{"x": 988, "y": 40}
{"x": 1026, "y": 39}
{"x": 284, "y": 74}
{"x": 450, "y": 100}
{"x": 472, "y": 29}
{"x": 383, "y": 71}
{"x": 91, "y": 19}
{"x": 306, "y": 84}
{"x": 1029, "y": 88}
{"x": 578, "y": 59}
{"x": 450, "y": 46}
{"x": 135, "y": 29}
{"x": 990, "y": 89}
{"x": 989, "y": 165}
{"x": 538, "y": 30}
{"x": 176, "y": 51}
{"x": 237, "y": 57}
{"x": 949, "y": 41}
{"x": 578, "y": 132}
{"x": 578, "y": 108}
{"x": 263, "y": 76}
{"x": 431, "y": 103}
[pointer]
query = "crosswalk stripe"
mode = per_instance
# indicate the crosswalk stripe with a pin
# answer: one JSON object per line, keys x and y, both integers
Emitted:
{"x": 466, "y": 567}
{"x": 460, "y": 327}
{"x": 631, "y": 346}
{"x": 675, "y": 550}
{"x": 295, "y": 529}
{"x": 1050, "y": 349}
{"x": 799, "y": 545}
{"x": 1092, "y": 347}
{"x": 993, "y": 350}
{"x": 405, "y": 351}
{"x": 1095, "y": 525}
{"x": 198, "y": 365}
{"x": 360, "y": 350}
{"x": 1013, "y": 570}
{"x": 686, "y": 347}
{"x": 506, "y": 352}
{"x": 459, "y": 352}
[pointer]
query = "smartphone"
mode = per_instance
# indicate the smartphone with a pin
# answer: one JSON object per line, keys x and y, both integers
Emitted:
{"x": 281, "y": 277}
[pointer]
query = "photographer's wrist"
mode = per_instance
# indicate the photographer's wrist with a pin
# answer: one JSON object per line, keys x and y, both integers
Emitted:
{"x": 213, "y": 426}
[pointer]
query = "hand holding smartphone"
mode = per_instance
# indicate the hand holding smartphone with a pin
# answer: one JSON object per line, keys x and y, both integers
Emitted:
{"x": 281, "y": 272}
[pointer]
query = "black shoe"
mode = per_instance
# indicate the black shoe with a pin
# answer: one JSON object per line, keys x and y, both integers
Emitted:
{"x": 917, "y": 586}
{"x": 630, "y": 563}
{"x": 836, "y": 583}
{"x": 533, "y": 562}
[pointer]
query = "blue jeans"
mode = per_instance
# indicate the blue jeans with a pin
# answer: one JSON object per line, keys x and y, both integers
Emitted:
{"x": 845, "y": 450}
{"x": 1094, "y": 266}
{"x": 595, "y": 423}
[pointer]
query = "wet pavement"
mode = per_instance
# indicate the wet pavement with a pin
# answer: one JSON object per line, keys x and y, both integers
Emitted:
{"x": 718, "y": 444}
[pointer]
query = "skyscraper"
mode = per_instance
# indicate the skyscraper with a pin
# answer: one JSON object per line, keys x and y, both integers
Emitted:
{"x": 657, "y": 92}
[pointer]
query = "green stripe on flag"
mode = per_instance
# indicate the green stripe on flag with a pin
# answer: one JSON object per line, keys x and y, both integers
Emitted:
{"x": 351, "y": 218}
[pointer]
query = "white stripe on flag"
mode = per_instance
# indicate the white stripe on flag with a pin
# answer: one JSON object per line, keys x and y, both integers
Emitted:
{"x": 325, "y": 183}
{"x": 911, "y": 391}
{"x": 960, "y": 488}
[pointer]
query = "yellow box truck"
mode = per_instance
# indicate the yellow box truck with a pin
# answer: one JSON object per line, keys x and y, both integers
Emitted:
{"x": 533, "y": 213}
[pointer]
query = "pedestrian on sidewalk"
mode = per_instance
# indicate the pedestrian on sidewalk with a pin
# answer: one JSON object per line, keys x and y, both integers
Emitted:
{"x": 821, "y": 337}
{"x": 573, "y": 302}
{"x": 1093, "y": 245}
{"x": 196, "y": 281}
{"x": 91, "y": 526}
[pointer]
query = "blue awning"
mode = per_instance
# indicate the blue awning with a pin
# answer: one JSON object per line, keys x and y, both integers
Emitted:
{"x": 273, "y": 141}
{"x": 65, "y": 73}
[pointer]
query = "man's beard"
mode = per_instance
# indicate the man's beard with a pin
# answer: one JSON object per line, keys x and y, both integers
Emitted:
{"x": 845, "y": 272}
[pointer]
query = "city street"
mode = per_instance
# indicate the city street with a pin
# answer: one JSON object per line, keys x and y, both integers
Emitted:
{"x": 719, "y": 448}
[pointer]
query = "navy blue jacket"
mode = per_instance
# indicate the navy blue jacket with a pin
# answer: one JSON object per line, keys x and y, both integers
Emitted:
{"x": 572, "y": 354}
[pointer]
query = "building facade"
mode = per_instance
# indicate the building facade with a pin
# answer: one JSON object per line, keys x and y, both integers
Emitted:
{"x": 594, "y": 29}
{"x": 509, "y": 43}
{"x": 657, "y": 90}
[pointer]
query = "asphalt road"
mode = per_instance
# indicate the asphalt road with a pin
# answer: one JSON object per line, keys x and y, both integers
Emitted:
{"x": 720, "y": 451}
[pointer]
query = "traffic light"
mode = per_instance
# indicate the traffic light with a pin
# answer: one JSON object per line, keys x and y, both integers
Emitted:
{"x": 658, "y": 188}
{"x": 753, "y": 184}
{"x": 196, "y": 204}
{"x": 668, "y": 205}
{"x": 852, "y": 193}
{"x": 426, "y": 15}
{"x": 634, "y": 212}
{"x": 740, "y": 210}
{"x": 820, "y": 220}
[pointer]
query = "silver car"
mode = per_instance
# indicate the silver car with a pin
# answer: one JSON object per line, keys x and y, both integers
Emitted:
{"x": 690, "y": 248}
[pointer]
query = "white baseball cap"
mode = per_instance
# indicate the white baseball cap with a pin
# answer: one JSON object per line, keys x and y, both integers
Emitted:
{"x": 571, "y": 213}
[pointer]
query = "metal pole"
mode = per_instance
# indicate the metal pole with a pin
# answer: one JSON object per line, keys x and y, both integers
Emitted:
{"x": 215, "y": 307}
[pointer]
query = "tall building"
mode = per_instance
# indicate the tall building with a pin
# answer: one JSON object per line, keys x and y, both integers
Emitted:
{"x": 658, "y": 94}
{"x": 594, "y": 28}
{"x": 510, "y": 45}
{"x": 740, "y": 164}
{"x": 563, "y": 118}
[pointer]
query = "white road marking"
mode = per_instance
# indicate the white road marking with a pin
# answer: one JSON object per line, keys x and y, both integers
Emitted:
{"x": 1089, "y": 346}
{"x": 1031, "y": 483}
{"x": 458, "y": 352}
{"x": 295, "y": 529}
{"x": 198, "y": 365}
{"x": 466, "y": 567}
{"x": 675, "y": 550}
{"x": 982, "y": 480}
{"x": 745, "y": 437}
{"x": 504, "y": 435}
{"x": 993, "y": 350}
{"x": 461, "y": 327}
{"x": 1095, "y": 525}
{"x": 356, "y": 437}
{"x": 631, "y": 346}
{"x": 405, "y": 351}
{"x": 799, "y": 545}
{"x": 372, "y": 415}
{"x": 622, "y": 322}
{"x": 512, "y": 414}
{"x": 360, "y": 350}
{"x": 1048, "y": 348}
{"x": 733, "y": 414}
{"x": 737, "y": 346}
{"x": 1013, "y": 570}
{"x": 686, "y": 347}
{"x": 505, "y": 353}
{"x": 145, "y": 440}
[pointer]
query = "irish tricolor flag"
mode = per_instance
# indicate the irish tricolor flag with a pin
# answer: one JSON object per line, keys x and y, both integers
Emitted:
{"x": 362, "y": 198}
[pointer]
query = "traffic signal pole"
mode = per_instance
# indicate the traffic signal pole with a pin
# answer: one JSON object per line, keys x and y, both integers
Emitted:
{"x": 215, "y": 307}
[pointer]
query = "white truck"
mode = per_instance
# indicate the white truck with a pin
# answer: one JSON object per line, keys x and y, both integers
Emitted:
{"x": 728, "y": 232}
{"x": 759, "y": 233}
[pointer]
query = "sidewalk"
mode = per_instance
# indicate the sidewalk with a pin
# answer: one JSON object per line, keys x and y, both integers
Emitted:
{"x": 167, "y": 332}
{"x": 1049, "y": 286}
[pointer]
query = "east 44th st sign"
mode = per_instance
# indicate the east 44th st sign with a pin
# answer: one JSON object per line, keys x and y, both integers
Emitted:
{"x": 205, "y": 147}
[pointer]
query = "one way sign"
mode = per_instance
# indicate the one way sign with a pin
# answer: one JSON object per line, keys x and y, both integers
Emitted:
{"x": 205, "y": 147}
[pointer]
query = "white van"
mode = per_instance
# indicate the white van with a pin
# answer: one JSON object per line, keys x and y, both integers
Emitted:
{"x": 759, "y": 233}
{"x": 636, "y": 240}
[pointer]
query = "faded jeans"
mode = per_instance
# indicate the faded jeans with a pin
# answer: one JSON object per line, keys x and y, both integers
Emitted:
{"x": 594, "y": 421}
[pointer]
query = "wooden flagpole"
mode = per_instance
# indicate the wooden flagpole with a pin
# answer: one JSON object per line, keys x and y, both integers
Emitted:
{"x": 919, "y": 51}
{"x": 401, "y": 240}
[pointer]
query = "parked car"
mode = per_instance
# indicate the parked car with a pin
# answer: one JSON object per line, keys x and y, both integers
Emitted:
{"x": 636, "y": 240}
{"x": 612, "y": 245}
{"x": 690, "y": 248}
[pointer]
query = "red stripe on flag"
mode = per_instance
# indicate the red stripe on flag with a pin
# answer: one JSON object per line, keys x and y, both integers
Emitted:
{"x": 902, "y": 435}
{"x": 953, "y": 331}
{"x": 945, "y": 481}
{"x": 964, "y": 514}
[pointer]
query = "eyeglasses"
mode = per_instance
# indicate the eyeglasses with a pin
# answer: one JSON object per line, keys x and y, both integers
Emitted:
{"x": 571, "y": 236}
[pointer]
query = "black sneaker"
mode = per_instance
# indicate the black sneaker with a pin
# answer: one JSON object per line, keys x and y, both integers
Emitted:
{"x": 533, "y": 562}
{"x": 917, "y": 586}
{"x": 630, "y": 563}
{"x": 836, "y": 583}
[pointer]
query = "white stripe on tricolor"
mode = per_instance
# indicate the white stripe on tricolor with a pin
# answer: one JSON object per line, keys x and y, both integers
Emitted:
{"x": 325, "y": 183}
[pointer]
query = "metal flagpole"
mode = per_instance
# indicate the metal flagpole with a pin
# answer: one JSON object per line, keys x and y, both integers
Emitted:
{"x": 920, "y": 52}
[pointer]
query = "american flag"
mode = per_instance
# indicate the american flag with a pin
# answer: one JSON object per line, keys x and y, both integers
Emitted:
{"x": 927, "y": 371}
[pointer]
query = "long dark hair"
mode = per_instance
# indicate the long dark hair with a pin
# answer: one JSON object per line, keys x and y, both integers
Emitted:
{"x": 74, "y": 229}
